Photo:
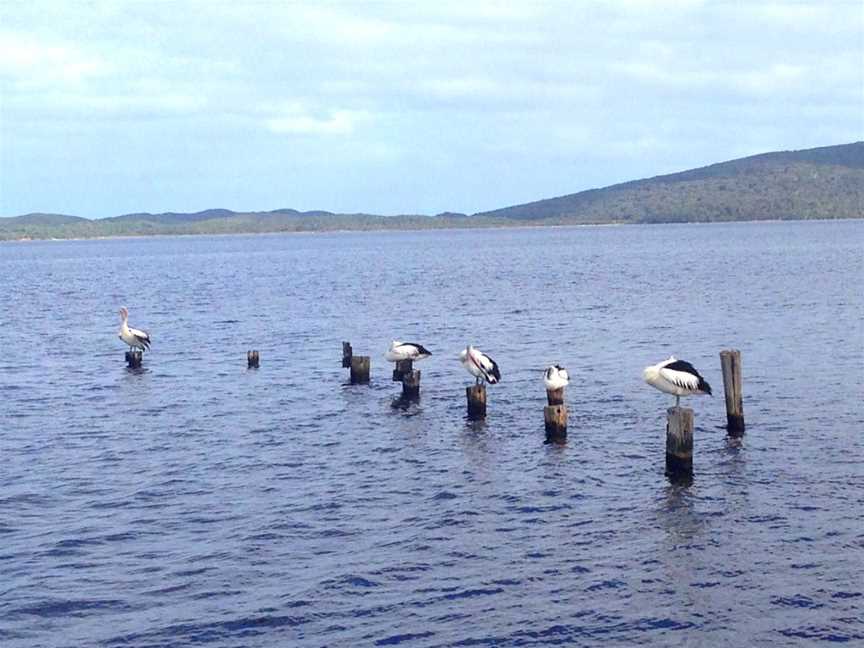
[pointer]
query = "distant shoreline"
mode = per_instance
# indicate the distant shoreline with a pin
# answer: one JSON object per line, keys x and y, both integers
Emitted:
{"x": 824, "y": 183}
{"x": 472, "y": 227}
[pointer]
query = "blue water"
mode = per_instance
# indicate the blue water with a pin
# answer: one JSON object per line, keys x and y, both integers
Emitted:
{"x": 196, "y": 502}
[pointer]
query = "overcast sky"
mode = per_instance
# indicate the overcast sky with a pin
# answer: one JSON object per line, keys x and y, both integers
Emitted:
{"x": 115, "y": 107}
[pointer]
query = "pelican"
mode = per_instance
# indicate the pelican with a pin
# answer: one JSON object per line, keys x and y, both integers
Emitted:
{"x": 556, "y": 377}
{"x": 480, "y": 365}
{"x": 406, "y": 351}
{"x": 135, "y": 338}
{"x": 676, "y": 377}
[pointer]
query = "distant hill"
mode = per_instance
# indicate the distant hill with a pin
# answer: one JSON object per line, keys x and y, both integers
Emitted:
{"x": 172, "y": 217}
{"x": 43, "y": 219}
{"x": 826, "y": 182}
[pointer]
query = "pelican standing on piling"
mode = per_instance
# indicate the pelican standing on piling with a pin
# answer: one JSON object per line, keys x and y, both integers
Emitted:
{"x": 480, "y": 365}
{"x": 676, "y": 377}
{"x": 556, "y": 377}
{"x": 406, "y": 351}
{"x": 135, "y": 338}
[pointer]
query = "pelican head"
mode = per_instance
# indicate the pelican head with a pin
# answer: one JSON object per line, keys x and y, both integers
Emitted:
{"x": 653, "y": 372}
{"x": 124, "y": 313}
{"x": 649, "y": 373}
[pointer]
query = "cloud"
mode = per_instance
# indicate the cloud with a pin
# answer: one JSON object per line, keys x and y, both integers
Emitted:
{"x": 29, "y": 60}
{"x": 296, "y": 121}
{"x": 500, "y": 95}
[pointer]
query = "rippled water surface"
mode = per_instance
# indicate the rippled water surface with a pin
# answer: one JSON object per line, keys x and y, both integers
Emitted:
{"x": 196, "y": 502}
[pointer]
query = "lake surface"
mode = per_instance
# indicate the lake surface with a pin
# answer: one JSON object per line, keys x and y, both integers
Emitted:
{"x": 196, "y": 502}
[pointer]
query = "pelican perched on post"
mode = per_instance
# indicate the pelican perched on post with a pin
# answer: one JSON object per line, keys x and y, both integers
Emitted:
{"x": 480, "y": 365}
{"x": 406, "y": 351}
{"x": 135, "y": 338}
{"x": 676, "y": 377}
{"x": 556, "y": 377}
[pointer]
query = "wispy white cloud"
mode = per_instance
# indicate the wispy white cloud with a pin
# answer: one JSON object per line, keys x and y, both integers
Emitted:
{"x": 29, "y": 60}
{"x": 296, "y": 120}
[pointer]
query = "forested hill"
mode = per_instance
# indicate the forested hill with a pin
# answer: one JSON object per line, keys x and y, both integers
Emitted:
{"x": 825, "y": 182}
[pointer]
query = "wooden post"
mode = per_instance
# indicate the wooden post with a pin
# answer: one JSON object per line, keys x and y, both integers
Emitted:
{"x": 133, "y": 359}
{"x": 555, "y": 419}
{"x": 402, "y": 368}
{"x": 555, "y": 396}
{"x": 347, "y": 353}
{"x": 476, "y": 402}
{"x": 252, "y": 359}
{"x": 679, "y": 443}
{"x": 411, "y": 385}
{"x": 730, "y": 363}
{"x": 359, "y": 369}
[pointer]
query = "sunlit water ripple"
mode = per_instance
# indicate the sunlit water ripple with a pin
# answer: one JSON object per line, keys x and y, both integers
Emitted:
{"x": 196, "y": 502}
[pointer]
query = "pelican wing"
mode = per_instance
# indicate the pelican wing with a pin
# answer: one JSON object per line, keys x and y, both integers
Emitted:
{"x": 493, "y": 374}
{"x": 416, "y": 350}
{"x": 142, "y": 336}
{"x": 487, "y": 366}
{"x": 682, "y": 374}
{"x": 406, "y": 351}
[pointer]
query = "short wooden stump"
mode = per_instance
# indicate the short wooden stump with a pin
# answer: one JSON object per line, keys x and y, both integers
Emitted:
{"x": 359, "y": 370}
{"x": 679, "y": 443}
{"x": 476, "y": 395}
{"x": 555, "y": 420}
{"x": 411, "y": 385}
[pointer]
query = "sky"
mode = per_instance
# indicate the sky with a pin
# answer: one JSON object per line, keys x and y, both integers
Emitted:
{"x": 109, "y": 108}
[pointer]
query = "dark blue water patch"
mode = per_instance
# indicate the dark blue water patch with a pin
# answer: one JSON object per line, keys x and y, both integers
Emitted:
{"x": 208, "y": 633}
{"x": 847, "y": 595}
{"x": 606, "y": 584}
{"x": 395, "y": 640}
{"x": 219, "y": 594}
{"x": 79, "y": 608}
{"x": 705, "y": 584}
{"x": 822, "y": 633}
{"x": 445, "y": 495}
{"x": 167, "y": 591}
{"x": 796, "y": 601}
{"x": 471, "y": 593}
{"x": 359, "y": 581}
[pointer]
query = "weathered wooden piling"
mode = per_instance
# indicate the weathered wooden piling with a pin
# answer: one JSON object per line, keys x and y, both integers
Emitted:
{"x": 133, "y": 359}
{"x": 730, "y": 363}
{"x": 252, "y": 359}
{"x": 555, "y": 396}
{"x": 402, "y": 368}
{"x": 555, "y": 420}
{"x": 411, "y": 385}
{"x": 347, "y": 354}
{"x": 476, "y": 402}
{"x": 359, "y": 370}
{"x": 679, "y": 443}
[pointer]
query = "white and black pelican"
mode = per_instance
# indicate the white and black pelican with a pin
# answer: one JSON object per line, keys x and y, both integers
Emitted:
{"x": 480, "y": 365}
{"x": 556, "y": 377}
{"x": 406, "y": 351}
{"x": 135, "y": 338}
{"x": 676, "y": 377}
